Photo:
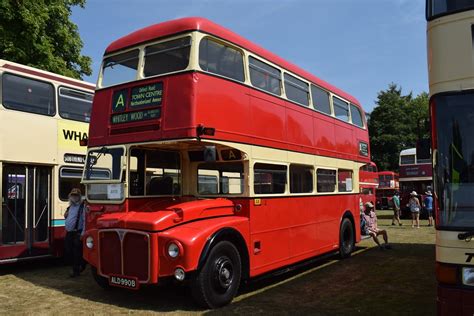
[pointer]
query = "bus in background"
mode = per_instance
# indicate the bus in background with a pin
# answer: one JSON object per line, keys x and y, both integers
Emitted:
{"x": 450, "y": 34}
{"x": 226, "y": 162}
{"x": 388, "y": 185}
{"x": 368, "y": 182}
{"x": 416, "y": 174}
{"x": 43, "y": 116}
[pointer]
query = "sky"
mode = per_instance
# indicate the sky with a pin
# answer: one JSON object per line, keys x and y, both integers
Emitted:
{"x": 360, "y": 46}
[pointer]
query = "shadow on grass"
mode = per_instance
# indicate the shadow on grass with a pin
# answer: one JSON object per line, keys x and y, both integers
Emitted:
{"x": 395, "y": 281}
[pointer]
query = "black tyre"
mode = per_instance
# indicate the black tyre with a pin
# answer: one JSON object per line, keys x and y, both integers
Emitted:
{"x": 218, "y": 281}
{"x": 346, "y": 238}
{"x": 100, "y": 280}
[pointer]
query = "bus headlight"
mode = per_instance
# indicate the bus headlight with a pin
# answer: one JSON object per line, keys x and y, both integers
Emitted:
{"x": 468, "y": 276}
{"x": 90, "y": 242}
{"x": 173, "y": 250}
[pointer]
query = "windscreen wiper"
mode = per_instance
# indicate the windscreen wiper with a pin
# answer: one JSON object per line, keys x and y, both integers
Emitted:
{"x": 466, "y": 236}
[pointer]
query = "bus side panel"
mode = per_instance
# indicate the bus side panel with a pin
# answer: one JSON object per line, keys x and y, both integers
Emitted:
{"x": 323, "y": 138}
{"x": 299, "y": 123}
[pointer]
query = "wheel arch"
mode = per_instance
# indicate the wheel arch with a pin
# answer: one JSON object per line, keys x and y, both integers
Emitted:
{"x": 233, "y": 236}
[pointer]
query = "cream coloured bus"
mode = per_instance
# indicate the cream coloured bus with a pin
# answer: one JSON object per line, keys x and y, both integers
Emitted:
{"x": 43, "y": 116}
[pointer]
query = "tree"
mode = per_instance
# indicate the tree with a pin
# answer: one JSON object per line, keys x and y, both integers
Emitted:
{"x": 396, "y": 123}
{"x": 39, "y": 33}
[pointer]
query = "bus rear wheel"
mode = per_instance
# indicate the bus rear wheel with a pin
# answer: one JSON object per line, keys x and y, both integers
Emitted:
{"x": 346, "y": 238}
{"x": 218, "y": 281}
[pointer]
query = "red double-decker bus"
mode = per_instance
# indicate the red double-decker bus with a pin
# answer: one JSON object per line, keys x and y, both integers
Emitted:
{"x": 226, "y": 162}
{"x": 388, "y": 185}
{"x": 368, "y": 182}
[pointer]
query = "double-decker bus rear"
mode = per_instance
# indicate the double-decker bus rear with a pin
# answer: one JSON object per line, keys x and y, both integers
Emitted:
{"x": 451, "y": 81}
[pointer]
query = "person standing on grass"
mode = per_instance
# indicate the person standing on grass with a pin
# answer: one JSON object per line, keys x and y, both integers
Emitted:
{"x": 428, "y": 202}
{"x": 75, "y": 220}
{"x": 371, "y": 222}
{"x": 396, "y": 209}
{"x": 414, "y": 205}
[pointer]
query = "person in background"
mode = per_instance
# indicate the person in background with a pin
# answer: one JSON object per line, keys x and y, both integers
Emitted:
{"x": 428, "y": 202}
{"x": 371, "y": 222}
{"x": 75, "y": 220}
{"x": 414, "y": 205}
{"x": 396, "y": 209}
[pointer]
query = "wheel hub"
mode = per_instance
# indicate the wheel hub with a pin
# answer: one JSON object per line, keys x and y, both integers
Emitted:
{"x": 223, "y": 273}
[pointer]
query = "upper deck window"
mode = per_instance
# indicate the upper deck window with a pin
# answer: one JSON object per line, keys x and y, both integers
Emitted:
{"x": 220, "y": 59}
{"x": 407, "y": 160}
{"x": 296, "y": 90}
{"x": 120, "y": 68}
{"x": 436, "y": 8}
{"x": 75, "y": 105}
{"x": 167, "y": 57}
{"x": 341, "y": 109}
{"x": 356, "y": 116}
{"x": 264, "y": 76}
{"x": 320, "y": 100}
{"x": 28, "y": 95}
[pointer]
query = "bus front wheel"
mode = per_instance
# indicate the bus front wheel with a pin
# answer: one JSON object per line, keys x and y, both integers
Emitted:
{"x": 100, "y": 280}
{"x": 218, "y": 281}
{"x": 346, "y": 238}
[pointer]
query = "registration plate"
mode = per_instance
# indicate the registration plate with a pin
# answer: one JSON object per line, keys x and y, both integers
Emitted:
{"x": 125, "y": 282}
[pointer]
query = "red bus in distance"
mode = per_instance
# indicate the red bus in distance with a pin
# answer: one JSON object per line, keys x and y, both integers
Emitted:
{"x": 225, "y": 162}
{"x": 368, "y": 182}
{"x": 388, "y": 185}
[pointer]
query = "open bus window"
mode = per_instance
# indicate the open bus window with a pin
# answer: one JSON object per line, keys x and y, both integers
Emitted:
{"x": 75, "y": 105}
{"x": 28, "y": 95}
{"x": 269, "y": 179}
{"x": 221, "y": 178}
{"x": 301, "y": 179}
{"x": 264, "y": 76}
{"x": 296, "y": 90}
{"x": 326, "y": 180}
{"x": 341, "y": 109}
{"x": 344, "y": 181}
{"x": 167, "y": 56}
{"x": 221, "y": 59}
{"x": 104, "y": 164}
{"x": 356, "y": 116}
{"x": 120, "y": 68}
{"x": 320, "y": 100}
{"x": 69, "y": 178}
{"x": 154, "y": 172}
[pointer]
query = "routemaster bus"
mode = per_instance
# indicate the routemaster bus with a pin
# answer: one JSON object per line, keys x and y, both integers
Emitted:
{"x": 225, "y": 162}
{"x": 43, "y": 117}
{"x": 368, "y": 182}
{"x": 416, "y": 174}
{"x": 388, "y": 185}
{"x": 450, "y": 34}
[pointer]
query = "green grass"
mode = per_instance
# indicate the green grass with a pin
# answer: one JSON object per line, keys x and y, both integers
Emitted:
{"x": 391, "y": 282}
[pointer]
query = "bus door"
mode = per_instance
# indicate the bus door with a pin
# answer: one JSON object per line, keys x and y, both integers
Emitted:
{"x": 26, "y": 211}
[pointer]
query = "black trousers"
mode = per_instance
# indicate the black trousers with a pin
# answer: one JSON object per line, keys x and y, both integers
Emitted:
{"x": 73, "y": 248}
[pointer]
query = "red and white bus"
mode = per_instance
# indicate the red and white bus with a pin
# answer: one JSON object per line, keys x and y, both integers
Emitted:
{"x": 415, "y": 175}
{"x": 43, "y": 117}
{"x": 368, "y": 182}
{"x": 225, "y": 162}
{"x": 388, "y": 185}
{"x": 450, "y": 35}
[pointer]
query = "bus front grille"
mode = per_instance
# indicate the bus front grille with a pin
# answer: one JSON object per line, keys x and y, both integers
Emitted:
{"x": 124, "y": 252}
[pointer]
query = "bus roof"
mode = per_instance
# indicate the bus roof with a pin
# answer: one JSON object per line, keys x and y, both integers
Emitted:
{"x": 409, "y": 151}
{"x": 9, "y": 65}
{"x": 169, "y": 28}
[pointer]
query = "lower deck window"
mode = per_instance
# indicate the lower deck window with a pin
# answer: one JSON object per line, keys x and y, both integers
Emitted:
{"x": 69, "y": 178}
{"x": 220, "y": 178}
{"x": 154, "y": 172}
{"x": 301, "y": 179}
{"x": 326, "y": 180}
{"x": 269, "y": 179}
{"x": 344, "y": 183}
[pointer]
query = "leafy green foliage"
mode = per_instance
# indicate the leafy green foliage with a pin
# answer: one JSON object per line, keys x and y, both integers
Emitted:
{"x": 396, "y": 123}
{"x": 39, "y": 33}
